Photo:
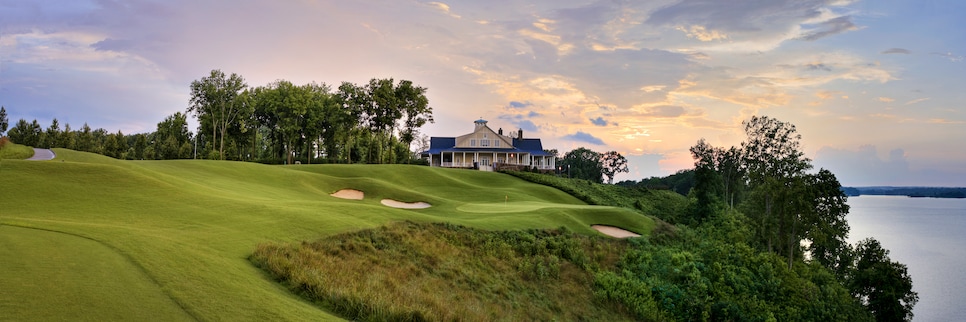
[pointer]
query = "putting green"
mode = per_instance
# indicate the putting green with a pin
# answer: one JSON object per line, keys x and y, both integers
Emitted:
{"x": 63, "y": 277}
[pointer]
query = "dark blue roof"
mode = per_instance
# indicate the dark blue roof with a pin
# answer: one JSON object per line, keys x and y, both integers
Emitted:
{"x": 448, "y": 144}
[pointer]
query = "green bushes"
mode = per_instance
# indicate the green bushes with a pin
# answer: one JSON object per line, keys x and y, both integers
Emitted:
{"x": 708, "y": 273}
{"x": 409, "y": 271}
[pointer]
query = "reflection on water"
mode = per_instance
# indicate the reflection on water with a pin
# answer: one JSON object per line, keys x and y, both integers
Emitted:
{"x": 926, "y": 234}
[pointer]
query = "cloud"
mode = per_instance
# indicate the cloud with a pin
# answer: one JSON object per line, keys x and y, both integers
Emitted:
{"x": 581, "y": 136}
{"x": 443, "y": 8}
{"x": 917, "y": 101}
{"x": 896, "y": 51}
{"x": 818, "y": 66}
{"x": 521, "y": 121}
{"x": 885, "y": 99}
{"x": 661, "y": 111}
{"x": 599, "y": 121}
{"x": 703, "y": 34}
{"x": 830, "y": 27}
{"x": 516, "y": 104}
{"x": 948, "y": 55}
{"x": 864, "y": 167}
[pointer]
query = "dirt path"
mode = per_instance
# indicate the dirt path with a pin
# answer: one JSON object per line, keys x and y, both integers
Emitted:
{"x": 42, "y": 155}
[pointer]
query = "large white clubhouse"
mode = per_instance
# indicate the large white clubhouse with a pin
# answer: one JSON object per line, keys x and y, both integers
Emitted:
{"x": 487, "y": 150}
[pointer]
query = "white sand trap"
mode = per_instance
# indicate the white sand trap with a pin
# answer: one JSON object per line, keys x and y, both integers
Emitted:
{"x": 349, "y": 194}
{"x": 615, "y": 232}
{"x": 405, "y": 205}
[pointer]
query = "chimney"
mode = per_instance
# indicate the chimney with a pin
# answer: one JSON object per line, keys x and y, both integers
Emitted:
{"x": 500, "y": 132}
{"x": 520, "y": 134}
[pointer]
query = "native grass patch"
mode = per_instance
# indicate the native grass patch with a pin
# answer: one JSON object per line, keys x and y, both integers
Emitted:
{"x": 10, "y": 150}
{"x": 441, "y": 271}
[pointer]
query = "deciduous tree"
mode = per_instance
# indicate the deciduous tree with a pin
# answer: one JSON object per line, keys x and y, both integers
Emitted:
{"x": 882, "y": 285}
{"x": 215, "y": 100}
{"x": 583, "y": 163}
{"x": 613, "y": 163}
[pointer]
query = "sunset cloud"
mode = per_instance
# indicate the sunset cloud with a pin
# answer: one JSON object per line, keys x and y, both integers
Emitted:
{"x": 645, "y": 77}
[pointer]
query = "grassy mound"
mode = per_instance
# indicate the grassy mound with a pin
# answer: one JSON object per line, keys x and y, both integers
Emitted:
{"x": 442, "y": 272}
{"x": 190, "y": 225}
{"x": 10, "y": 150}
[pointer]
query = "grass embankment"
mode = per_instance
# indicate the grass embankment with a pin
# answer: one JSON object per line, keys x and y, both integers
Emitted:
{"x": 444, "y": 272}
{"x": 10, "y": 150}
{"x": 657, "y": 203}
{"x": 190, "y": 226}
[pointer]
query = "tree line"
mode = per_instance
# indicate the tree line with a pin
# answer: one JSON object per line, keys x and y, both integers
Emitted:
{"x": 587, "y": 164}
{"x": 280, "y": 122}
{"x": 794, "y": 212}
{"x": 748, "y": 203}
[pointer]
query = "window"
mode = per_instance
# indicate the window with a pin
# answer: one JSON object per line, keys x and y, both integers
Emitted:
{"x": 484, "y": 142}
{"x": 472, "y": 142}
{"x": 496, "y": 143}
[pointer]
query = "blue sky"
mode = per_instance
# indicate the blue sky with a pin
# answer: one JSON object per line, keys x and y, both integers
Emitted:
{"x": 875, "y": 87}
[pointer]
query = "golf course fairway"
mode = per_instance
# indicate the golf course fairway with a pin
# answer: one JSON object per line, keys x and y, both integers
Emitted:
{"x": 170, "y": 240}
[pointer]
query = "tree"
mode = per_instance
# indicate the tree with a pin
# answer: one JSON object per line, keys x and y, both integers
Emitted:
{"x": 4, "y": 122}
{"x": 171, "y": 134}
{"x": 69, "y": 138}
{"x": 85, "y": 139}
{"x": 708, "y": 187}
{"x": 354, "y": 102}
{"x": 20, "y": 132}
{"x": 215, "y": 101}
{"x": 52, "y": 138}
{"x": 583, "y": 163}
{"x": 415, "y": 109}
{"x": 140, "y": 146}
{"x": 824, "y": 224}
{"x": 613, "y": 163}
{"x": 775, "y": 165}
{"x": 115, "y": 145}
{"x": 883, "y": 286}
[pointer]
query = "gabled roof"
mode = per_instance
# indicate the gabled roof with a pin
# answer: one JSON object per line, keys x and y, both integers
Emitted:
{"x": 534, "y": 146}
{"x": 448, "y": 144}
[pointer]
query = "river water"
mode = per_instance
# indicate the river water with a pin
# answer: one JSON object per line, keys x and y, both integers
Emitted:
{"x": 929, "y": 236}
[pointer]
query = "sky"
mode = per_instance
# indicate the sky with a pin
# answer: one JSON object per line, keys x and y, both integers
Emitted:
{"x": 876, "y": 88}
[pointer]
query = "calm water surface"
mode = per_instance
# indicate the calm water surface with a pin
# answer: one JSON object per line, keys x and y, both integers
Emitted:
{"x": 927, "y": 235}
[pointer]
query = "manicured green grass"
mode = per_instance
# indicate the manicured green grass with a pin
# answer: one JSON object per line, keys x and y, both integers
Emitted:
{"x": 445, "y": 272}
{"x": 50, "y": 276}
{"x": 10, "y": 150}
{"x": 191, "y": 225}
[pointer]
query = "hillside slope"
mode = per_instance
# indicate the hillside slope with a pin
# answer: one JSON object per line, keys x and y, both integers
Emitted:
{"x": 189, "y": 225}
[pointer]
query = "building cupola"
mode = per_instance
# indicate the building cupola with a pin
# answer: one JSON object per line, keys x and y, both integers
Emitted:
{"x": 480, "y": 123}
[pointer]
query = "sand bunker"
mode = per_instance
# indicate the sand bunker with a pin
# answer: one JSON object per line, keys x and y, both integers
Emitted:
{"x": 349, "y": 194}
{"x": 614, "y": 231}
{"x": 405, "y": 205}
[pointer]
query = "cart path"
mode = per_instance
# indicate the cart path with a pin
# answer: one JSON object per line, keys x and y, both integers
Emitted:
{"x": 42, "y": 155}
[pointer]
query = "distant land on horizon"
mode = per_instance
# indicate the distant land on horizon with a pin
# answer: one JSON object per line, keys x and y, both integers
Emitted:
{"x": 915, "y": 192}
